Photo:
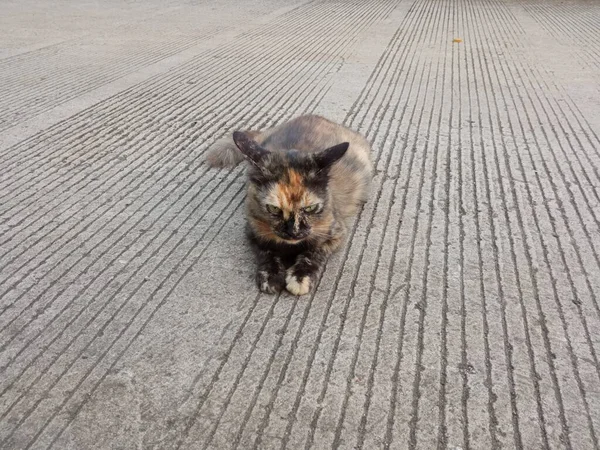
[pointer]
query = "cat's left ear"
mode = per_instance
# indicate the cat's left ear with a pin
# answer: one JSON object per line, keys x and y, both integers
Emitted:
{"x": 327, "y": 157}
{"x": 249, "y": 147}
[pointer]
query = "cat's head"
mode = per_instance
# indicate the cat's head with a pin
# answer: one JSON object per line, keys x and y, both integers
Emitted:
{"x": 288, "y": 193}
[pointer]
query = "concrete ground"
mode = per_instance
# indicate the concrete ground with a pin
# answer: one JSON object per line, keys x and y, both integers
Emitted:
{"x": 464, "y": 312}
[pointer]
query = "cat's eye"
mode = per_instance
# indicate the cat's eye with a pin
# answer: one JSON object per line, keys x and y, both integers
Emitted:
{"x": 273, "y": 209}
{"x": 311, "y": 209}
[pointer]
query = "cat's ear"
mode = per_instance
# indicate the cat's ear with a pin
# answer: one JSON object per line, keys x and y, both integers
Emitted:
{"x": 327, "y": 157}
{"x": 249, "y": 147}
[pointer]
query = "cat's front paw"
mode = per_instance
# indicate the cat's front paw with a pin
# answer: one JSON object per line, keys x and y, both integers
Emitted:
{"x": 270, "y": 282}
{"x": 297, "y": 285}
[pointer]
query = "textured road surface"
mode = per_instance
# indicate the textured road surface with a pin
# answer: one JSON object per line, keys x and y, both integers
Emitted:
{"x": 464, "y": 311}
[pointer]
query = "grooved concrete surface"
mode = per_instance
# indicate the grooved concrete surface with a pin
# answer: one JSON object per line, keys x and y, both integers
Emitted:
{"x": 464, "y": 310}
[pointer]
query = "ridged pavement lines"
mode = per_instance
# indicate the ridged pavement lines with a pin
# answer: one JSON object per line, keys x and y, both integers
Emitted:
{"x": 464, "y": 309}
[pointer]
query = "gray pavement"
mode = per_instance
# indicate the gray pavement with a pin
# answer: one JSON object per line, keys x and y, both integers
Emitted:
{"x": 464, "y": 311}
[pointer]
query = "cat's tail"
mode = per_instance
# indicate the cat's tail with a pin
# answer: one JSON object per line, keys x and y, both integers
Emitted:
{"x": 224, "y": 152}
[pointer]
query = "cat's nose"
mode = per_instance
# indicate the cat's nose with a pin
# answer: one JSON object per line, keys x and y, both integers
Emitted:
{"x": 289, "y": 228}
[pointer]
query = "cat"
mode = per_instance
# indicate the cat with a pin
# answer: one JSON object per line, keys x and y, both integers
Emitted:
{"x": 306, "y": 178}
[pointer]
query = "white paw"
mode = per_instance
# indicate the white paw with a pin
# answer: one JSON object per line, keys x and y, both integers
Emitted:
{"x": 297, "y": 286}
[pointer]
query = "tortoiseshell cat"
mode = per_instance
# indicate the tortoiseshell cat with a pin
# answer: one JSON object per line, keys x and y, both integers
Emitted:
{"x": 306, "y": 178}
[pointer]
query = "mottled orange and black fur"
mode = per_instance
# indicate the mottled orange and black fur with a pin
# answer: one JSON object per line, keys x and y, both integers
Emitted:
{"x": 306, "y": 178}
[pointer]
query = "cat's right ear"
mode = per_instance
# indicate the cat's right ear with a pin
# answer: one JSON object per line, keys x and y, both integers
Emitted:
{"x": 249, "y": 147}
{"x": 327, "y": 157}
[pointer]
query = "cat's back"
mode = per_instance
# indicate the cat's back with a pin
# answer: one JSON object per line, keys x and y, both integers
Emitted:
{"x": 311, "y": 133}
{"x": 350, "y": 176}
